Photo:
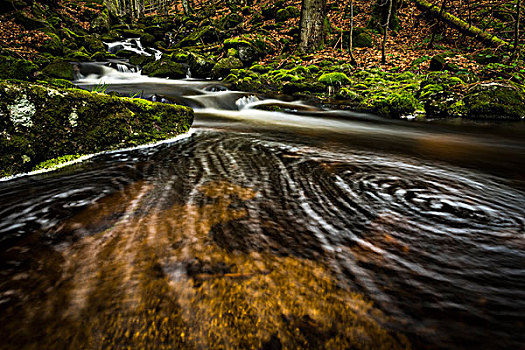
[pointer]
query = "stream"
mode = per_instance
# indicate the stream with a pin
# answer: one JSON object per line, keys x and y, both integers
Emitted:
{"x": 423, "y": 221}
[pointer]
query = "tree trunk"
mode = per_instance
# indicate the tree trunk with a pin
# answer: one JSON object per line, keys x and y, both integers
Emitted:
{"x": 431, "y": 43}
{"x": 186, "y": 7}
{"x": 383, "y": 9}
{"x": 517, "y": 27}
{"x": 351, "y": 43}
{"x": 313, "y": 15}
{"x": 385, "y": 36}
{"x": 462, "y": 26}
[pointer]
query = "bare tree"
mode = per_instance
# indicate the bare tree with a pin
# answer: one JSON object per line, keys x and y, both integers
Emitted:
{"x": 313, "y": 16}
{"x": 517, "y": 28}
{"x": 351, "y": 43}
{"x": 385, "y": 35}
{"x": 442, "y": 9}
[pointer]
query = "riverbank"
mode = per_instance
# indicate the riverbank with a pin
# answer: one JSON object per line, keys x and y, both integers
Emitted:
{"x": 256, "y": 52}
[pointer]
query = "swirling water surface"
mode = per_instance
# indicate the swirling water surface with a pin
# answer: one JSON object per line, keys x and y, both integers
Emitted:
{"x": 427, "y": 222}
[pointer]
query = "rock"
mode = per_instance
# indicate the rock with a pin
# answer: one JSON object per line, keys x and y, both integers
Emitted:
{"x": 295, "y": 87}
{"x": 147, "y": 39}
{"x": 14, "y": 68}
{"x": 141, "y": 60}
{"x": 396, "y": 105}
{"x": 287, "y": 13}
{"x": 28, "y": 21}
{"x": 60, "y": 70}
{"x": 164, "y": 69}
{"x": 437, "y": 63}
{"x": 205, "y": 35}
{"x": 39, "y": 122}
{"x": 230, "y": 21}
{"x": 494, "y": 101}
{"x": 93, "y": 44}
{"x": 334, "y": 79}
{"x": 52, "y": 44}
{"x": 224, "y": 65}
{"x": 101, "y": 24}
{"x": 200, "y": 66}
{"x": 363, "y": 39}
{"x": 248, "y": 52}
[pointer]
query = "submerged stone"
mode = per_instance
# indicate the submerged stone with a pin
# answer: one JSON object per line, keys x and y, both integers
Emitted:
{"x": 39, "y": 122}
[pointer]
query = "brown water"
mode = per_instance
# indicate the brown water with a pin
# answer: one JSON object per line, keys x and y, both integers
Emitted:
{"x": 297, "y": 229}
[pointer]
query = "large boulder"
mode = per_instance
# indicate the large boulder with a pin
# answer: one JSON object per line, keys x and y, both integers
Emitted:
{"x": 494, "y": 101}
{"x": 59, "y": 69}
{"x": 248, "y": 52}
{"x": 39, "y": 122}
{"x": 223, "y": 67}
{"x": 200, "y": 66}
{"x": 164, "y": 69}
{"x": 14, "y": 68}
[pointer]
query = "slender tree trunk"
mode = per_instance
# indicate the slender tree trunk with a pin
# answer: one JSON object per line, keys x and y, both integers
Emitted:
{"x": 313, "y": 15}
{"x": 517, "y": 28}
{"x": 385, "y": 36}
{"x": 186, "y": 7}
{"x": 431, "y": 43}
{"x": 462, "y": 26}
{"x": 351, "y": 43}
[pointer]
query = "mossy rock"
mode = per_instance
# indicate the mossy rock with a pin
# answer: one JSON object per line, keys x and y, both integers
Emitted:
{"x": 287, "y": 13}
{"x": 200, "y": 65}
{"x": 205, "y": 35}
{"x": 164, "y": 69}
{"x": 14, "y": 68}
{"x": 93, "y": 44}
{"x": 101, "y": 24}
{"x": 38, "y": 123}
{"x": 296, "y": 87}
{"x": 363, "y": 39}
{"x": 334, "y": 79}
{"x": 141, "y": 60}
{"x": 147, "y": 39}
{"x": 52, "y": 44}
{"x": 223, "y": 67}
{"x": 28, "y": 21}
{"x": 230, "y": 21}
{"x": 396, "y": 105}
{"x": 249, "y": 51}
{"x": 59, "y": 69}
{"x": 495, "y": 101}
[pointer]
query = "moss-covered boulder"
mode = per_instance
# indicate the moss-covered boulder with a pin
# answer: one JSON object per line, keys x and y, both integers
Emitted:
{"x": 141, "y": 60}
{"x": 296, "y": 87}
{"x": 248, "y": 51}
{"x": 164, "y": 69}
{"x": 59, "y": 69}
{"x": 93, "y": 44}
{"x": 39, "y": 122}
{"x": 334, "y": 79}
{"x": 205, "y": 35}
{"x": 223, "y": 67}
{"x": 14, "y": 68}
{"x": 52, "y": 44}
{"x": 287, "y": 13}
{"x": 395, "y": 105}
{"x": 200, "y": 65}
{"x": 101, "y": 24}
{"x": 495, "y": 101}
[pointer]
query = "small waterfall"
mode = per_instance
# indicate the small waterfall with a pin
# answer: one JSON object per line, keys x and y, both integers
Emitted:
{"x": 188, "y": 73}
{"x": 246, "y": 100}
{"x": 123, "y": 68}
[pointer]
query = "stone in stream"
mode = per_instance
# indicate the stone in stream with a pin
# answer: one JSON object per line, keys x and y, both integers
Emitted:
{"x": 39, "y": 122}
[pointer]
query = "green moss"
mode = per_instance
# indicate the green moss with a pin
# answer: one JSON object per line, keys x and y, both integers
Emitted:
{"x": 164, "y": 69}
{"x": 13, "y": 68}
{"x": 60, "y": 70}
{"x": 52, "y": 163}
{"x": 223, "y": 67}
{"x": 336, "y": 78}
{"x": 43, "y": 122}
{"x": 495, "y": 101}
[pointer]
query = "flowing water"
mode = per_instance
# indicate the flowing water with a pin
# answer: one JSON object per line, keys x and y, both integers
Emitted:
{"x": 299, "y": 227}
